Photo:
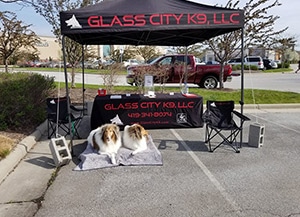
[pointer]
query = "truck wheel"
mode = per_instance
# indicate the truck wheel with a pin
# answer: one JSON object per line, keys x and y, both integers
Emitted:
{"x": 209, "y": 82}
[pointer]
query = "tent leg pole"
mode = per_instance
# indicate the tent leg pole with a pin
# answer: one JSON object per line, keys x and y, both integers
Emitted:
{"x": 242, "y": 82}
{"x": 185, "y": 65}
{"x": 67, "y": 92}
{"x": 83, "y": 88}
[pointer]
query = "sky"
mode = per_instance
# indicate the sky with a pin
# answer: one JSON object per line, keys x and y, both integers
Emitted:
{"x": 288, "y": 12}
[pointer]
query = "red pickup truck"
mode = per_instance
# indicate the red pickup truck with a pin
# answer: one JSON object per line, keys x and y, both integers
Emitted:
{"x": 204, "y": 75}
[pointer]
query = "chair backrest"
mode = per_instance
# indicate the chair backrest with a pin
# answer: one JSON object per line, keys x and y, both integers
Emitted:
{"x": 53, "y": 104}
{"x": 219, "y": 113}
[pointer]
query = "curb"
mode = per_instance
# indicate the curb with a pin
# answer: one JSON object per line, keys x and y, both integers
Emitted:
{"x": 270, "y": 106}
{"x": 8, "y": 164}
{"x": 251, "y": 107}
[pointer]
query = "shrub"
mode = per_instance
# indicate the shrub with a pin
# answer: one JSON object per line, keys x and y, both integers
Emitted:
{"x": 246, "y": 67}
{"x": 236, "y": 67}
{"x": 160, "y": 75}
{"x": 22, "y": 99}
{"x": 286, "y": 65}
{"x": 110, "y": 78}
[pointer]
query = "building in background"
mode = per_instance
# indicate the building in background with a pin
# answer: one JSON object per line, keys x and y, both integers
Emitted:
{"x": 49, "y": 48}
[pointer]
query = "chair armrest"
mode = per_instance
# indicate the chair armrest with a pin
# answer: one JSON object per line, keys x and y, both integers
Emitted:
{"x": 77, "y": 109}
{"x": 241, "y": 116}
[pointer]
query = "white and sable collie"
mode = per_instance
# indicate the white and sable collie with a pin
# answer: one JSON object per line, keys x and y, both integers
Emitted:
{"x": 106, "y": 139}
{"x": 135, "y": 137}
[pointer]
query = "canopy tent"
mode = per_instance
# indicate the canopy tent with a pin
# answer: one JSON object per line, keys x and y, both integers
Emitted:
{"x": 148, "y": 22}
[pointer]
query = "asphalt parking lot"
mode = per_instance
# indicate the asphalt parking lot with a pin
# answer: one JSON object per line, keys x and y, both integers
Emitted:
{"x": 192, "y": 181}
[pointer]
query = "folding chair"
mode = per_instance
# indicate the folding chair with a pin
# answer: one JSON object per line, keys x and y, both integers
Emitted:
{"x": 219, "y": 121}
{"x": 57, "y": 116}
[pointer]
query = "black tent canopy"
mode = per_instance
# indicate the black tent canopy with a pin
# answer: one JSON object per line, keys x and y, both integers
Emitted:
{"x": 148, "y": 22}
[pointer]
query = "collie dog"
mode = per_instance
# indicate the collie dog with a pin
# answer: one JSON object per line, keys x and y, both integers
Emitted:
{"x": 135, "y": 137}
{"x": 106, "y": 139}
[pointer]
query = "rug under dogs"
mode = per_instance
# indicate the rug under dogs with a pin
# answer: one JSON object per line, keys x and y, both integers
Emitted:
{"x": 90, "y": 159}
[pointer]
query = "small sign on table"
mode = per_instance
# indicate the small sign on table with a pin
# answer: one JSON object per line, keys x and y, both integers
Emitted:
{"x": 149, "y": 86}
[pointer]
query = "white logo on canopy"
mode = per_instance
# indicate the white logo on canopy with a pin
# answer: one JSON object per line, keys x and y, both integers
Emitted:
{"x": 73, "y": 22}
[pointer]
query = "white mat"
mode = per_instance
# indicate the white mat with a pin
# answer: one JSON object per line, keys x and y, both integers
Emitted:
{"x": 90, "y": 159}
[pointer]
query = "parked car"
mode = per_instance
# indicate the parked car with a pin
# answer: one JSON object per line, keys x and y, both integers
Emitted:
{"x": 60, "y": 64}
{"x": 249, "y": 60}
{"x": 108, "y": 62}
{"x": 26, "y": 64}
{"x": 269, "y": 64}
{"x": 150, "y": 60}
{"x": 212, "y": 62}
{"x": 198, "y": 61}
{"x": 277, "y": 61}
{"x": 131, "y": 62}
{"x": 91, "y": 64}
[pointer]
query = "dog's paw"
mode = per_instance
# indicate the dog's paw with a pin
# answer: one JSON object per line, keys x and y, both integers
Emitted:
{"x": 113, "y": 161}
{"x": 137, "y": 151}
{"x": 134, "y": 152}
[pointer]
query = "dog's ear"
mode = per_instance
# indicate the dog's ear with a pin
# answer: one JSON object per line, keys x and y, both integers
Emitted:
{"x": 138, "y": 128}
{"x": 102, "y": 133}
{"x": 103, "y": 129}
{"x": 143, "y": 131}
{"x": 138, "y": 131}
{"x": 116, "y": 130}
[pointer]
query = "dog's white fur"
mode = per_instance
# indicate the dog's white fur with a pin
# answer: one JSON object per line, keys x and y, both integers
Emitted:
{"x": 135, "y": 137}
{"x": 106, "y": 139}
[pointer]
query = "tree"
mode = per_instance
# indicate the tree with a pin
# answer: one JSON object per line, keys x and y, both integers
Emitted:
{"x": 282, "y": 46}
{"x": 195, "y": 49}
{"x": 258, "y": 31}
{"x": 14, "y": 35}
{"x": 22, "y": 56}
{"x": 147, "y": 52}
{"x": 128, "y": 53}
{"x": 74, "y": 56}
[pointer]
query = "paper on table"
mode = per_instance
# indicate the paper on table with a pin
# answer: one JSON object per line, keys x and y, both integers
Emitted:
{"x": 116, "y": 97}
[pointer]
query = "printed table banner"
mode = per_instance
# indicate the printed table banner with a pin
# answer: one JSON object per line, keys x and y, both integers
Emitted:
{"x": 161, "y": 111}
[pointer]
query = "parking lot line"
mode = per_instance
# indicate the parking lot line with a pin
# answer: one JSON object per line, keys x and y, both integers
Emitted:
{"x": 276, "y": 123}
{"x": 206, "y": 171}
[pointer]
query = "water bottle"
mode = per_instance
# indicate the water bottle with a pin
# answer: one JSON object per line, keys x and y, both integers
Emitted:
{"x": 185, "y": 89}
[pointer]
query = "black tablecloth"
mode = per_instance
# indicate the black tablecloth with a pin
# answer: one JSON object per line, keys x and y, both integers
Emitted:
{"x": 163, "y": 111}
